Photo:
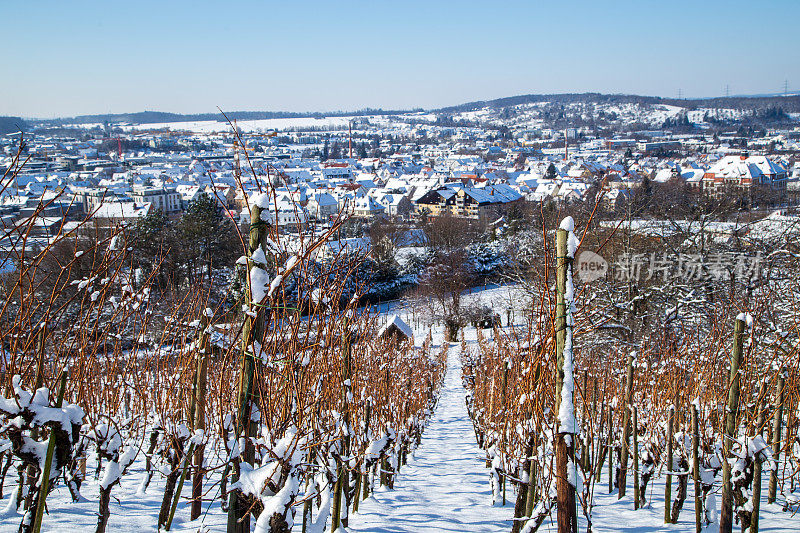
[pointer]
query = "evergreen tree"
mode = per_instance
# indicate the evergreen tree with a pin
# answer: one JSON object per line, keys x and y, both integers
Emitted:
{"x": 643, "y": 194}
{"x": 336, "y": 151}
{"x": 206, "y": 238}
{"x": 150, "y": 231}
{"x": 153, "y": 247}
{"x": 551, "y": 172}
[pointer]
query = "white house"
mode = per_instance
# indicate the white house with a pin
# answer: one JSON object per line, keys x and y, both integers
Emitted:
{"x": 166, "y": 199}
{"x": 322, "y": 205}
{"x": 367, "y": 207}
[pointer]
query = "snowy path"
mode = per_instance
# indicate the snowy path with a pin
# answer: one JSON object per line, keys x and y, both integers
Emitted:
{"x": 445, "y": 487}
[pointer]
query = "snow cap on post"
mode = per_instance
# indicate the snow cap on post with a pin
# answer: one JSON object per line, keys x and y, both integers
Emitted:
{"x": 262, "y": 201}
{"x": 568, "y": 225}
{"x": 747, "y": 318}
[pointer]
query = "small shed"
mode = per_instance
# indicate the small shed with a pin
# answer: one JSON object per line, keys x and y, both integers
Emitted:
{"x": 395, "y": 328}
{"x": 489, "y": 321}
{"x": 484, "y": 317}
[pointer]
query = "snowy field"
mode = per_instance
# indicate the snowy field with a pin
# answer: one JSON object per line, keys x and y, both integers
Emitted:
{"x": 264, "y": 125}
{"x": 445, "y": 486}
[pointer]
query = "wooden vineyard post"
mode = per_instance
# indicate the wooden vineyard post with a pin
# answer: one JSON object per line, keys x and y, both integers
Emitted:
{"x": 522, "y": 495}
{"x": 342, "y": 486}
{"x": 309, "y": 502}
{"x": 565, "y": 438}
{"x": 48, "y": 463}
{"x": 756, "y": 497}
{"x": 253, "y": 330}
{"x": 360, "y": 477}
{"x": 610, "y": 448}
{"x": 37, "y": 384}
{"x": 336, "y": 507}
{"x": 356, "y": 490}
{"x": 347, "y": 394}
{"x": 179, "y": 487}
{"x": 365, "y": 474}
{"x": 502, "y": 479}
{"x": 383, "y": 466}
{"x": 626, "y": 420}
{"x": 530, "y": 496}
{"x": 668, "y": 462}
{"x": 726, "y": 511}
{"x": 201, "y": 380}
{"x": 600, "y": 447}
{"x": 777, "y": 425}
{"x": 698, "y": 503}
{"x": 635, "y": 434}
{"x": 490, "y": 409}
{"x": 590, "y": 437}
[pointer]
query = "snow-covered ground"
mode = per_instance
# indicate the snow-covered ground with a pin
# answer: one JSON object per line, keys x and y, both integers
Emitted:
{"x": 530, "y": 115}
{"x": 131, "y": 510}
{"x": 271, "y": 124}
{"x": 444, "y": 487}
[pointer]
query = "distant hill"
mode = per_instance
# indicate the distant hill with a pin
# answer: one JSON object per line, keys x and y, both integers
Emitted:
{"x": 766, "y": 107}
{"x": 789, "y": 104}
{"x": 155, "y": 117}
{"x": 12, "y": 125}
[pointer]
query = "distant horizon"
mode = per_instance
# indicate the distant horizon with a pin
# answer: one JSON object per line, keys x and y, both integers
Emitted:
{"x": 88, "y": 57}
{"x": 333, "y": 112}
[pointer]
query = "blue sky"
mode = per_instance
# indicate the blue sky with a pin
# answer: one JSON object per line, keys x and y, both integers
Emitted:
{"x": 61, "y": 58}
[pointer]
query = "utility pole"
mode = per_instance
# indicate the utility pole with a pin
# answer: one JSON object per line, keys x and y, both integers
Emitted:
{"x": 350, "y": 138}
{"x": 727, "y": 90}
{"x": 237, "y": 169}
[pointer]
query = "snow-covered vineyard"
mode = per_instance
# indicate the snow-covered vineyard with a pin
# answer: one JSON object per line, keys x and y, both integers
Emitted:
{"x": 399, "y": 267}
{"x": 301, "y": 408}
